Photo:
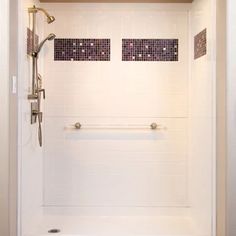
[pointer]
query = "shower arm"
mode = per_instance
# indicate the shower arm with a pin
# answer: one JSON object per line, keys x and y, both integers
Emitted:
{"x": 35, "y": 9}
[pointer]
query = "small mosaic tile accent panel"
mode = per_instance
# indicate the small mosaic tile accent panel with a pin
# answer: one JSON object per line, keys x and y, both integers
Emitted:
{"x": 150, "y": 49}
{"x": 30, "y": 41}
{"x": 81, "y": 49}
{"x": 200, "y": 44}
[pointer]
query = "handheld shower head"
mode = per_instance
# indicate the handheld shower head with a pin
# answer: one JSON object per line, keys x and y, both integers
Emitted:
{"x": 34, "y": 9}
{"x": 49, "y": 37}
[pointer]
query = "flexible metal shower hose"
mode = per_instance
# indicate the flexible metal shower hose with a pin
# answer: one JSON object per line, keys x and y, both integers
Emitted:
{"x": 40, "y": 138}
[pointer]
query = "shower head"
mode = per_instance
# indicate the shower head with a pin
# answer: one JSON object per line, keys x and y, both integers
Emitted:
{"x": 49, "y": 37}
{"x": 34, "y": 9}
{"x": 50, "y": 19}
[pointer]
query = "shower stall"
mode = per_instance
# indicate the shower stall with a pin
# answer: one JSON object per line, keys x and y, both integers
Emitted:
{"x": 127, "y": 129}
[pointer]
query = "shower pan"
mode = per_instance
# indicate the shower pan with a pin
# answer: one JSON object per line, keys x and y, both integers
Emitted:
{"x": 127, "y": 139}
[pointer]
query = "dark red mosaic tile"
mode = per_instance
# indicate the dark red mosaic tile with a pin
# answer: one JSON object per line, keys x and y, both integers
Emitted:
{"x": 30, "y": 41}
{"x": 67, "y": 49}
{"x": 150, "y": 49}
{"x": 200, "y": 44}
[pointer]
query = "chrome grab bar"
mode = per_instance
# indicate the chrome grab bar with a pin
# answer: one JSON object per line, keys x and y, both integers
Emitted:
{"x": 152, "y": 126}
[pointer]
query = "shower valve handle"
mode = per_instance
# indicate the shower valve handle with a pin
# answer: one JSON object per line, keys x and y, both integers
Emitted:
{"x": 39, "y": 114}
{"x": 42, "y": 91}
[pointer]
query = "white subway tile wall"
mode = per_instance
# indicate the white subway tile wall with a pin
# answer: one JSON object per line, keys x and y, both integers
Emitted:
{"x": 129, "y": 168}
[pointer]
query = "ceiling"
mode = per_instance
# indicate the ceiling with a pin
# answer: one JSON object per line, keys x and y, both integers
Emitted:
{"x": 119, "y": 1}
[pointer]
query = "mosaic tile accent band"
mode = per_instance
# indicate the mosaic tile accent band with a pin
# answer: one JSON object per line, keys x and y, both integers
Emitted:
{"x": 150, "y": 49}
{"x": 81, "y": 49}
{"x": 200, "y": 44}
{"x": 30, "y": 41}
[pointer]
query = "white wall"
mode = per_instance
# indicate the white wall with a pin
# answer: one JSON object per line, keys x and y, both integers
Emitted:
{"x": 231, "y": 118}
{"x": 4, "y": 117}
{"x": 30, "y": 155}
{"x": 221, "y": 145}
{"x": 92, "y": 168}
{"x": 13, "y": 121}
{"x": 202, "y": 120}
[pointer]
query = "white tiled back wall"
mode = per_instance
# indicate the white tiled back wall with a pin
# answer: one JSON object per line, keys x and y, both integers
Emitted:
{"x": 116, "y": 167}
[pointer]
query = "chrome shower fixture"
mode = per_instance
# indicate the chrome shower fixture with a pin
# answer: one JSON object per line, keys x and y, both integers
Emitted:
{"x": 49, "y": 37}
{"x": 34, "y": 9}
{"x": 36, "y": 113}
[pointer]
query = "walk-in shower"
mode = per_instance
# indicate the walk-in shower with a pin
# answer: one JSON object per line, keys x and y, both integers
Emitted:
{"x": 128, "y": 141}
